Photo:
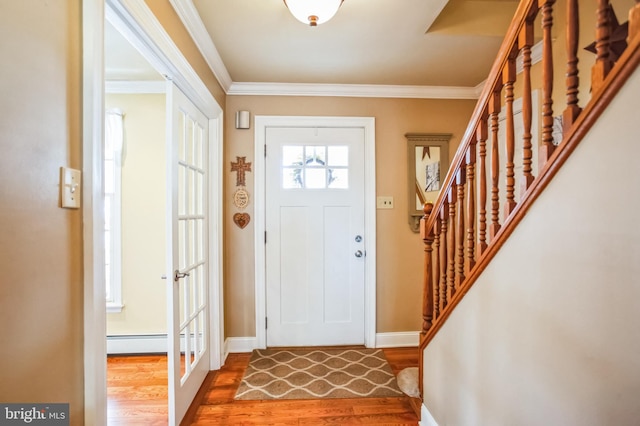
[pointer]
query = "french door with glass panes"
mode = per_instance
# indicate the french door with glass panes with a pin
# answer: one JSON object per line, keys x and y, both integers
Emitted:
{"x": 187, "y": 255}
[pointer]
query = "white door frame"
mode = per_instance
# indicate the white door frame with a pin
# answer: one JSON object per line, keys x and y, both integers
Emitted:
{"x": 140, "y": 26}
{"x": 262, "y": 122}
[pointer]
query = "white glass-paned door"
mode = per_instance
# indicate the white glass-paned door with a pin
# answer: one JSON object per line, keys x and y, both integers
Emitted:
{"x": 188, "y": 308}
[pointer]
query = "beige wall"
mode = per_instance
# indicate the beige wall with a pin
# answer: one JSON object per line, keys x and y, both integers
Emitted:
{"x": 548, "y": 335}
{"x": 41, "y": 291}
{"x": 143, "y": 216}
{"x": 41, "y": 356}
{"x": 399, "y": 251}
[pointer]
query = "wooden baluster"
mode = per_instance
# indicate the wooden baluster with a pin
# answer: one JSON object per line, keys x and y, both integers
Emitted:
{"x": 525, "y": 42}
{"x": 634, "y": 22}
{"x": 547, "y": 84}
{"x": 470, "y": 209}
{"x": 509, "y": 77}
{"x": 603, "y": 63}
{"x": 439, "y": 290}
{"x": 427, "y": 291}
{"x": 451, "y": 245}
{"x": 494, "y": 111}
{"x": 573, "y": 31}
{"x": 481, "y": 135}
{"x": 445, "y": 294}
{"x": 442, "y": 285}
{"x": 459, "y": 261}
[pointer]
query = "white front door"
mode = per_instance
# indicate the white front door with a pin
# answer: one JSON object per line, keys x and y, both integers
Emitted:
{"x": 315, "y": 248}
{"x": 187, "y": 257}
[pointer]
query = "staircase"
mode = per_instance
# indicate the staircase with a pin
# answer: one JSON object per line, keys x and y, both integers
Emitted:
{"x": 531, "y": 295}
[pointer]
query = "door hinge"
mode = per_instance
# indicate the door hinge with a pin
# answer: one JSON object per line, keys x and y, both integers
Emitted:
{"x": 265, "y": 322}
{"x": 265, "y": 150}
{"x": 265, "y": 237}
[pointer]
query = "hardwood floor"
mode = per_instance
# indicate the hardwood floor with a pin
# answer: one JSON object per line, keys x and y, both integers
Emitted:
{"x": 137, "y": 393}
{"x": 137, "y": 390}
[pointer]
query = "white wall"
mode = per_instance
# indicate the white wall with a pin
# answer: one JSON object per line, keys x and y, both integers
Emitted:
{"x": 143, "y": 216}
{"x": 549, "y": 334}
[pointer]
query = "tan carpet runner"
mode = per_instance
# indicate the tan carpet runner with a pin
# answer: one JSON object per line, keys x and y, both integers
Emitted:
{"x": 317, "y": 373}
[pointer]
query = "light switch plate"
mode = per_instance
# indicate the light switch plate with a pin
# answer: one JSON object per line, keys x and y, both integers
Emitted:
{"x": 384, "y": 202}
{"x": 70, "y": 187}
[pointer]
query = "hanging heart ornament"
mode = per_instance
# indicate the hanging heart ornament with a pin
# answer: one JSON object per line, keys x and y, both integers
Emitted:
{"x": 241, "y": 219}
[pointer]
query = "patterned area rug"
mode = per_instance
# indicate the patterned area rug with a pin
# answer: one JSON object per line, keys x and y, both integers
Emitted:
{"x": 316, "y": 373}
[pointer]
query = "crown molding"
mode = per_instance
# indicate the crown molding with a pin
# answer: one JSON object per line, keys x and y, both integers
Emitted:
{"x": 536, "y": 56}
{"x": 371, "y": 90}
{"x": 190, "y": 18}
{"x": 135, "y": 87}
{"x": 353, "y": 90}
{"x": 478, "y": 89}
{"x": 536, "y": 53}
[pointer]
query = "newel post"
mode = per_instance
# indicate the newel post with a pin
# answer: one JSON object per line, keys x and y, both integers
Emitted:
{"x": 427, "y": 291}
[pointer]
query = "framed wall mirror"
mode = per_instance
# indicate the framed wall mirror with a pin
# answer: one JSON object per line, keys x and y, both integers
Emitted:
{"x": 427, "y": 165}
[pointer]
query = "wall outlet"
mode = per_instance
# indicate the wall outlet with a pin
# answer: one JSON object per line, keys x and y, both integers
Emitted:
{"x": 384, "y": 202}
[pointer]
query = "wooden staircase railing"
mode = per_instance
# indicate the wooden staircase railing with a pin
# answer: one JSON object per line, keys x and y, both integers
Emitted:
{"x": 479, "y": 205}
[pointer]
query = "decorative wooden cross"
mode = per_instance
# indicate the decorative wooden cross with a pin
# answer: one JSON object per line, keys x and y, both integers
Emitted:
{"x": 240, "y": 167}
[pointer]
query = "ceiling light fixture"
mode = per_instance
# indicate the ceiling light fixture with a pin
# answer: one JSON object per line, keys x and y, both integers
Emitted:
{"x": 313, "y": 12}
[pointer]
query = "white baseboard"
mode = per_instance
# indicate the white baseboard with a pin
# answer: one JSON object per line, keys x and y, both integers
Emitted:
{"x": 426, "y": 419}
{"x": 239, "y": 345}
{"x": 403, "y": 339}
{"x": 138, "y": 344}
{"x": 383, "y": 340}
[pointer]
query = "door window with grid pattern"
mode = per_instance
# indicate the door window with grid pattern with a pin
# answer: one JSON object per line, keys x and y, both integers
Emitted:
{"x": 315, "y": 167}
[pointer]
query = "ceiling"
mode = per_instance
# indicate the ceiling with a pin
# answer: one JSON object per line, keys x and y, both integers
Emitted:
{"x": 380, "y": 43}
{"x": 122, "y": 61}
